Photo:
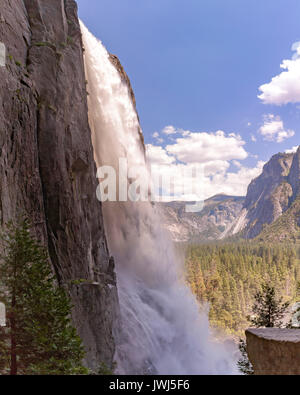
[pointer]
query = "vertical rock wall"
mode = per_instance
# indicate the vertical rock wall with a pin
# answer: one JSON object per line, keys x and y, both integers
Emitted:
{"x": 46, "y": 159}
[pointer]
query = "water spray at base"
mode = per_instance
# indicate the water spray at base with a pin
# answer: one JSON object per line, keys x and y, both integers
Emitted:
{"x": 162, "y": 329}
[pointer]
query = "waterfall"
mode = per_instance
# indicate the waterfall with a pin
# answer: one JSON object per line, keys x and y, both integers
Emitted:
{"x": 162, "y": 328}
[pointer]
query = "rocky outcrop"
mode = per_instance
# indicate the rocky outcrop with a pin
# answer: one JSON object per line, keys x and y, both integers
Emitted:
{"x": 46, "y": 160}
{"x": 274, "y": 351}
{"x": 286, "y": 228}
{"x": 217, "y": 216}
{"x": 116, "y": 62}
{"x": 270, "y": 195}
{"x": 294, "y": 176}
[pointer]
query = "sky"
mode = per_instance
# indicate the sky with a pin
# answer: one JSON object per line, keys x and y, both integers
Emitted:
{"x": 216, "y": 82}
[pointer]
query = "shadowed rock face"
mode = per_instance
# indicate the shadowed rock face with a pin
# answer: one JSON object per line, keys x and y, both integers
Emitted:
{"x": 270, "y": 195}
{"x": 294, "y": 176}
{"x": 274, "y": 351}
{"x": 46, "y": 159}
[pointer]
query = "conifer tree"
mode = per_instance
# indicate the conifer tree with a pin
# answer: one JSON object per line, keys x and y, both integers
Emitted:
{"x": 39, "y": 337}
{"x": 268, "y": 310}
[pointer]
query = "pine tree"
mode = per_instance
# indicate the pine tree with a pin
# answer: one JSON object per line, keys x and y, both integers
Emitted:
{"x": 268, "y": 313}
{"x": 39, "y": 337}
{"x": 268, "y": 310}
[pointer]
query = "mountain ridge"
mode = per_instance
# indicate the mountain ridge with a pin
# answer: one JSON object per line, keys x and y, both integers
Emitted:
{"x": 270, "y": 195}
{"x": 271, "y": 201}
{"x": 209, "y": 224}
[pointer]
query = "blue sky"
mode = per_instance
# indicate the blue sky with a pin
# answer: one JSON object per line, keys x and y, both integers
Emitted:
{"x": 198, "y": 64}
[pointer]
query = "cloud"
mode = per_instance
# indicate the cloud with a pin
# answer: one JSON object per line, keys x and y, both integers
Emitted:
{"x": 234, "y": 183}
{"x": 169, "y": 130}
{"x": 158, "y": 155}
{"x": 285, "y": 87}
{"x": 215, "y": 166}
{"x": 204, "y": 147}
{"x": 273, "y": 129}
{"x": 296, "y": 48}
{"x": 237, "y": 163}
{"x": 214, "y": 153}
{"x": 292, "y": 150}
{"x": 253, "y": 138}
{"x": 157, "y": 138}
{"x": 185, "y": 132}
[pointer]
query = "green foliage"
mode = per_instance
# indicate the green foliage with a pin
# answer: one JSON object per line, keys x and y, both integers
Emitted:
{"x": 268, "y": 310}
{"x": 229, "y": 275}
{"x": 42, "y": 44}
{"x": 239, "y": 279}
{"x": 104, "y": 370}
{"x": 243, "y": 363}
{"x": 39, "y": 337}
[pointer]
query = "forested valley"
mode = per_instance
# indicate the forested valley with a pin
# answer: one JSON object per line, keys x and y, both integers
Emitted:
{"x": 227, "y": 276}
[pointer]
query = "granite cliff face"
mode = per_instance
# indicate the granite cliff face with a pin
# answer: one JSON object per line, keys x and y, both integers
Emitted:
{"x": 211, "y": 223}
{"x": 294, "y": 176}
{"x": 46, "y": 159}
{"x": 270, "y": 195}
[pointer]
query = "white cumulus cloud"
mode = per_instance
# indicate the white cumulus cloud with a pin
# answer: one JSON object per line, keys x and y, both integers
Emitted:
{"x": 214, "y": 152}
{"x": 285, "y": 87}
{"x": 169, "y": 130}
{"x": 158, "y": 155}
{"x": 157, "y": 137}
{"x": 204, "y": 147}
{"x": 273, "y": 129}
{"x": 292, "y": 150}
{"x": 233, "y": 183}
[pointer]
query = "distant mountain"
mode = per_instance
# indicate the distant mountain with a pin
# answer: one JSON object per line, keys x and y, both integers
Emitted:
{"x": 270, "y": 211}
{"x": 271, "y": 208}
{"x": 218, "y": 214}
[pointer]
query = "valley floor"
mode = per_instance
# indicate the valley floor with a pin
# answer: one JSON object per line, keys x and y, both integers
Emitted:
{"x": 227, "y": 276}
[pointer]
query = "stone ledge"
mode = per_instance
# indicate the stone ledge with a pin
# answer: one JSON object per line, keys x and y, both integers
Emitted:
{"x": 274, "y": 351}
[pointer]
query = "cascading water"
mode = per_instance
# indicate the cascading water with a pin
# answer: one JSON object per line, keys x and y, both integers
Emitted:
{"x": 162, "y": 329}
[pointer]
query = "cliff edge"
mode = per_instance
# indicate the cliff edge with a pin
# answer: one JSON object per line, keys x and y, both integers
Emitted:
{"x": 274, "y": 351}
{"x": 47, "y": 168}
